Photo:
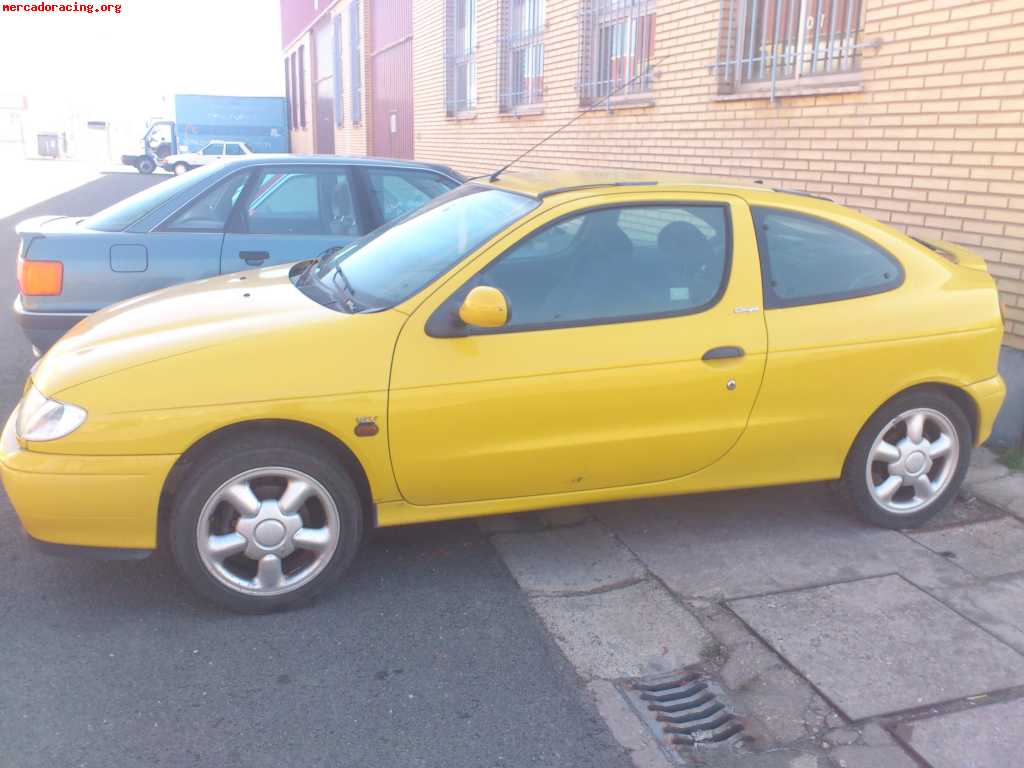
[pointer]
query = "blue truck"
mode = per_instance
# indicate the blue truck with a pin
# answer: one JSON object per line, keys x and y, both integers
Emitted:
{"x": 259, "y": 121}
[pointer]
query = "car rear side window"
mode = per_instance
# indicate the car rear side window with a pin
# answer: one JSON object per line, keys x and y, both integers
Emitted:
{"x": 234, "y": 149}
{"x": 614, "y": 264}
{"x": 807, "y": 260}
{"x": 210, "y": 211}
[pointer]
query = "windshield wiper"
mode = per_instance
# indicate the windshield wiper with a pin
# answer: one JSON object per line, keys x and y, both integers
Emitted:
{"x": 350, "y": 303}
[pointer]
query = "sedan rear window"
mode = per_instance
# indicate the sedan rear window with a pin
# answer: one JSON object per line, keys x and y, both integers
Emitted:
{"x": 122, "y": 215}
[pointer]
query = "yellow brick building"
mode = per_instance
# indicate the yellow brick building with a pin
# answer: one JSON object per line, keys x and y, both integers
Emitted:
{"x": 910, "y": 111}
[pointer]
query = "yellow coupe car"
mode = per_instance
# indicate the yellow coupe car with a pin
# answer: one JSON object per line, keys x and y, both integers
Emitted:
{"x": 535, "y": 340}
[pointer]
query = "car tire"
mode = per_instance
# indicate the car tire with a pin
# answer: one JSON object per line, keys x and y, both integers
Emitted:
{"x": 257, "y": 500}
{"x": 146, "y": 165}
{"x": 908, "y": 461}
{"x": 180, "y": 169}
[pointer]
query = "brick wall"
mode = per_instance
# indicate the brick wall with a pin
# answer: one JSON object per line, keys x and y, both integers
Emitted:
{"x": 349, "y": 138}
{"x": 933, "y": 142}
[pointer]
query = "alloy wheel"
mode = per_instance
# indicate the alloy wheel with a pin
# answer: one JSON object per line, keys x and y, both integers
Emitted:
{"x": 912, "y": 460}
{"x": 268, "y": 531}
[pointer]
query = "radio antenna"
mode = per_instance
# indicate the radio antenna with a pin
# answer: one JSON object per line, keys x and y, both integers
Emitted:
{"x": 646, "y": 73}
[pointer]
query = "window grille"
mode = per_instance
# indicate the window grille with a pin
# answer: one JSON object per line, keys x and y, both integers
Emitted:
{"x": 521, "y": 54}
{"x": 771, "y": 40}
{"x": 460, "y": 56}
{"x": 616, "y": 48}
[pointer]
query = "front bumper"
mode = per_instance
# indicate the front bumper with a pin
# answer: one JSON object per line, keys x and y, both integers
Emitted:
{"x": 43, "y": 329}
{"x": 988, "y": 396}
{"x": 84, "y": 501}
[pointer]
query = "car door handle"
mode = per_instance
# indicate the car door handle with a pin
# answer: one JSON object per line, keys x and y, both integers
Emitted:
{"x": 723, "y": 353}
{"x": 254, "y": 257}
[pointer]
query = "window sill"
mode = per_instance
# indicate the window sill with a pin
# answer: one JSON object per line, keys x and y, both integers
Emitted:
{"x": 629, "y": 101}
{"x": 811, "y": 85}
{"x": 469, "y": 115}
{"x": 527, "y": 110}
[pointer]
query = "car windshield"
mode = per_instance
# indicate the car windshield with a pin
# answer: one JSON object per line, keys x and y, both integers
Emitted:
{"x": 392, "y": 263}
{"x": 125, "y": 213}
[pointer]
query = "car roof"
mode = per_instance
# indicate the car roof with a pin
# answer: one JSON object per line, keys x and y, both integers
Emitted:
{"x": 362, "y": 160}
{"x": 541, "y": 184}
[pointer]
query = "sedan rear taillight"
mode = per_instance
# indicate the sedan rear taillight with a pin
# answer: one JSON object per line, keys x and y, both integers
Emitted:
{"x": 40, "y": 278}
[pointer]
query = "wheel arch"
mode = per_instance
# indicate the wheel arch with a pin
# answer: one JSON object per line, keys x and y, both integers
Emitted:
{"x": 301, "y": 430}
{"x": 957, "y": 394}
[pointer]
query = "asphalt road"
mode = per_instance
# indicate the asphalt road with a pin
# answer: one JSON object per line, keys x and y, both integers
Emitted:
{"x": 428, "y": 655}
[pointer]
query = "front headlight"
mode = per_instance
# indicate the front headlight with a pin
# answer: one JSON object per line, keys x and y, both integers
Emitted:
{"x": 42, "y": 418}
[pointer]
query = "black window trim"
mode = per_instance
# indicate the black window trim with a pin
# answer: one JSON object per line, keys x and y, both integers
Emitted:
{"x": 445, "y": 323}
{"x": 773, "y": 301}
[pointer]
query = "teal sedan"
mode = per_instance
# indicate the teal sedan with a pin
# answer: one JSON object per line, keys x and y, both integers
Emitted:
{"x": 254, "y": 211}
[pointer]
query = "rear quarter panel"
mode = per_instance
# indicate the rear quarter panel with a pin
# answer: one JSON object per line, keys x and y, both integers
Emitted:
{"x": 831, "y": 365}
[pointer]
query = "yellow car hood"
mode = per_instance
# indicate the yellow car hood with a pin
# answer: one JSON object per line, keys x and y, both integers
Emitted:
{"x": 232, "y": 318}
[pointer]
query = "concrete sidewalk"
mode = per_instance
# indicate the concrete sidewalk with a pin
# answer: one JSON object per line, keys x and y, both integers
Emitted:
{"x": 832, "y": 644}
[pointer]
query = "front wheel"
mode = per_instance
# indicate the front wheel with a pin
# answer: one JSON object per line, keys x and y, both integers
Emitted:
{"x": 180, "y": 168}
{"x": 909, "y": 460}
{"x": 263, "y": 526}
{"x": 146, "y": 165}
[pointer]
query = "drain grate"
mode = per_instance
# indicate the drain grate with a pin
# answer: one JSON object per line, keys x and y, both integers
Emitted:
{"x": 685, "y": 709}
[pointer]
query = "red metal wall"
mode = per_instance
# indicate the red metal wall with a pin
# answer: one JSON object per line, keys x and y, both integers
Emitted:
{"x": 390, "y": 43}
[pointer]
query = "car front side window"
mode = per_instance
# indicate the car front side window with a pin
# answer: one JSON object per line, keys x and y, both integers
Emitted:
{"x": 301, "y": 203}
{"x": 807, "y": 260}
{"x": 613, "y": 264}
{"x": 234, "y": 149}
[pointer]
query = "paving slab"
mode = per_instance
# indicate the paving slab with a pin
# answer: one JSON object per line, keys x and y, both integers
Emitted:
{"x": 644, "y": 749}
{"x": 991, "y": 548}
{"x": 881, "y": 645}
{"x": 1007, "y": 493}
{"x": 580, "y": 558}
{"x": 729, "y": 545}
{"x": 998, "y": 606}
{"x": 987, "y": 736}
{"x": 985, "y": 466}
{"x": 628, "y": 632}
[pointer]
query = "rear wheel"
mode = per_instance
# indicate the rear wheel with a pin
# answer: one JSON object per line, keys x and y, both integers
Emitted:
{"x": 180, "y": 168}
{"x": 909, "y": 460}
{"x": 263, "y": 526}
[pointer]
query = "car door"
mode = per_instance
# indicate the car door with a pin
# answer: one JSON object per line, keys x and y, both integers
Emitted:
{"x": 184, "y": 247}
{"x": 633, "y": 353}
{"x": 211, "y": 152}
{"x": 394, "y": 192}
{"x": 291, "y": 213}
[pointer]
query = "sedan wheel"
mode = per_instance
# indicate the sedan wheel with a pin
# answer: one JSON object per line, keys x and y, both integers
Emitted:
{"x": 180, "y": 168}
{"x": 261, "y": 527}
{"x": 909, "y": 460}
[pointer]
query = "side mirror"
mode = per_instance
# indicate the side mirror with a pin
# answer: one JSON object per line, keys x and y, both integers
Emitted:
{"x": 484, "y": 307}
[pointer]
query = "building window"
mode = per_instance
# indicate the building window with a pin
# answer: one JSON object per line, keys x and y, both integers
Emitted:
{"x": 302, "y": 86}
{"x": 288, "y": 100}
{"x": 616, "y": 48}
{"x": 460, "y": 58}
{"x": 521, "y": 47}
{"x": 339, "y": 110}
{"x": 355, "y": 62}
{"x": 772, "y": 40}
{"x": 295, "y": 93}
